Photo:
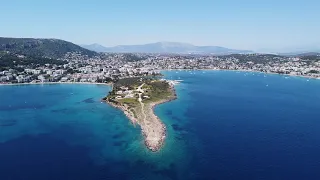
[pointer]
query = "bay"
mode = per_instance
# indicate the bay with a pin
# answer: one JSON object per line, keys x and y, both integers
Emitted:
{"x": 224, "y": 125}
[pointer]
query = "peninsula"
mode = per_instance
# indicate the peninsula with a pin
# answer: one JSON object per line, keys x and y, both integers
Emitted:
{"x": 137, "y": 97}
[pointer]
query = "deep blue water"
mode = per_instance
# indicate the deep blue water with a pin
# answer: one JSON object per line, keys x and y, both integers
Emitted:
{"x": 224, "y": 125}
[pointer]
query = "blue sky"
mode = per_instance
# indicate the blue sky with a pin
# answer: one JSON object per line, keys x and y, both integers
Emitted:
{"x": 241, "y": 24}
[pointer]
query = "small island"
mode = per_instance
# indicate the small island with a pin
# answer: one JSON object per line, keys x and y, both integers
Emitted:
{"x": 137, "y": 97}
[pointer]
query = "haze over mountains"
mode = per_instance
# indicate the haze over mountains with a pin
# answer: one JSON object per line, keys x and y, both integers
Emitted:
{"x": 294, "y": 50}
{"x": 185, "y": 48}
{"x": 56, "y": 48}
{"x": 165, "y": 47}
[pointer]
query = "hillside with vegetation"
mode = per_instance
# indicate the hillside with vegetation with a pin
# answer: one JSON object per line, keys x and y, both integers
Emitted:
{"x": 13, "y": 61}
{"x": 48, "y": 48}
{"x": 136, "y": 97}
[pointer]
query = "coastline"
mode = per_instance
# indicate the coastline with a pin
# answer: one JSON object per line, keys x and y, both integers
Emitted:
{"x": 154, "y": 137}
{"x": 124, "y": 110}
{"x": 153, "y": 106}
{"x": 154, "y": 131}
{"x": 153, "y": 140}
{"x": 48, "y": 83}
{"x": 243, "y": 70}
{"x": 110, "y": 84}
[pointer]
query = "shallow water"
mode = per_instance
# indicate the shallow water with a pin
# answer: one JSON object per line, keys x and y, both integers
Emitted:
{"x": 224, "y": 125}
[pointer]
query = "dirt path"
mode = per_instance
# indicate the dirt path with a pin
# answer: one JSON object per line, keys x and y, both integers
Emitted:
{"x": 153, "y": 130}
{"x": 142, "y": 107}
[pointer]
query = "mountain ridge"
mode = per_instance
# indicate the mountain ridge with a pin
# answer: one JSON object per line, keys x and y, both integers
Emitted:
{"x": 165, "y": 47}
{"x": 41, "y": 47}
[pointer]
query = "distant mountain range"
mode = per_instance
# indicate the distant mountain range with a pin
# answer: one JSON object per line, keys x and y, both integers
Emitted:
{"x": 166, "y": 47}
{"x": 56, "y": 48}
{"x": 301, "y": 53}
{"x": 310, "y": 54}
{"x": 292, "y": 51}
{"x": 95, "y": 47}
{"x": 49, "y": 48}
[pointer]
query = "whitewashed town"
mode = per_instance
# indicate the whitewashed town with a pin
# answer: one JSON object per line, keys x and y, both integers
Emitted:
{"x": 106, "y": 67}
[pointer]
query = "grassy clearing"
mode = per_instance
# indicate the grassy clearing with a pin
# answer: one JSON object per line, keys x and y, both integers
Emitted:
{"x": 156, "y": 90}
{"x": 129, "y": 101}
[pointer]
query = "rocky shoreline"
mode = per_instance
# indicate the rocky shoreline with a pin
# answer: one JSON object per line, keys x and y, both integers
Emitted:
{"x": 149, "y": 141}
{"x": 164, "y": 134}
{"x": 124, "y": 110}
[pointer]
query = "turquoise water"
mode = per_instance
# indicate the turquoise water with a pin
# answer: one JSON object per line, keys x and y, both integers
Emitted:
{"x": 224, "y": 125}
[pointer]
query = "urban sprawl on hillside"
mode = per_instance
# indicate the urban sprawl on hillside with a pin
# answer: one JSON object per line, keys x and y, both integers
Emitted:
{"x": 105, "y": 67}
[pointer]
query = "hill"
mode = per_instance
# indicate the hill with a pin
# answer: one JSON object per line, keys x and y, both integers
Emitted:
{"x": 49, "y": 48}
{"x": 309, "y": 54}
{"x": 95, "y": 47}
{"x": 166, "y": 47}
{"x": 13, "y": 61}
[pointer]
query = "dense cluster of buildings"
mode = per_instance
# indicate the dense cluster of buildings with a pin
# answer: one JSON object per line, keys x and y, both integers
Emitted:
{"x": 250, "y": 62}
{"x": 77, "y": 68}
{"x": 107, "y": 67}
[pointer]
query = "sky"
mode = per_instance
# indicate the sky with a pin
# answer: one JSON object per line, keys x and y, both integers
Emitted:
{"x": 239, "y": 24}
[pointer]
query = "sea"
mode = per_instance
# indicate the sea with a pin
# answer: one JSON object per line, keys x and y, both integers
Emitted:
{"x": 225, "y": 125}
